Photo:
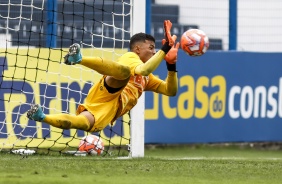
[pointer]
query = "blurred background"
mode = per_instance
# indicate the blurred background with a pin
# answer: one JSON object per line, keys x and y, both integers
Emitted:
{"x": 243, "y": 25}
{"x": 259, "y": 24}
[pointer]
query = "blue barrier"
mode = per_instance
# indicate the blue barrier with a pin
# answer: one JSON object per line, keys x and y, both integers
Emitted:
{"x": 222, "y": 97}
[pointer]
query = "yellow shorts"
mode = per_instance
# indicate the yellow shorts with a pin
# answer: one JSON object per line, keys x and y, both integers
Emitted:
{"x": 103, "y": 105}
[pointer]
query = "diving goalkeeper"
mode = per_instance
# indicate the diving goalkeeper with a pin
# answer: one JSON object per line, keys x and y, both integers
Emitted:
{"x": 122, "y": 83}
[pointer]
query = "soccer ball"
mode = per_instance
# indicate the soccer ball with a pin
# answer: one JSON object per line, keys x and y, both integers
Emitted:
{"x": 92, "y": 144}
{"x": 194, "y": 42}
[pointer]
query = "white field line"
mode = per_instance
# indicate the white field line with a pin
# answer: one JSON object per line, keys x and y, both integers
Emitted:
{"x": 221, "y": 158}
{"x": 161, "y": 158}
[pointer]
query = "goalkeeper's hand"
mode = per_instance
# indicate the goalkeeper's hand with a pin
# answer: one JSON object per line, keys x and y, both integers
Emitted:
{"x": 167, "y": 34}
{"x": 169, "y": 41}
{"x": 171, "y": 56}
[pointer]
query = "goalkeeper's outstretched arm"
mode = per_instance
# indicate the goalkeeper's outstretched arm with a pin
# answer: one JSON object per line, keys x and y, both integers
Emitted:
{"x": 152, "y": 64}
{"x": 169, "y": 87}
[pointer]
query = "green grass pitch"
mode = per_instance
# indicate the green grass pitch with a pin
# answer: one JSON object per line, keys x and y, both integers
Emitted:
{"x": 171, "y": 165}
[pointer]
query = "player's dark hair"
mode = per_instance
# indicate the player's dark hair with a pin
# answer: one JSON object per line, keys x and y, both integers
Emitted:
{"x": 140, "y": 37}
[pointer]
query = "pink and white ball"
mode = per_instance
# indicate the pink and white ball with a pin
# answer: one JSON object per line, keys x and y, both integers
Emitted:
{"x": 92, "y": 144}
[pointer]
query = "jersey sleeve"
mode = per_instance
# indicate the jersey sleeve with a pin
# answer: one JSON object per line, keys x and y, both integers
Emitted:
{"x": 153, "y": 83}
{"x": 131, "y": 60}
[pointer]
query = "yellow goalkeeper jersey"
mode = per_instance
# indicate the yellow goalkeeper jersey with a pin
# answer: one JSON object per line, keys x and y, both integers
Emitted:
{"x": 107, "y": 107}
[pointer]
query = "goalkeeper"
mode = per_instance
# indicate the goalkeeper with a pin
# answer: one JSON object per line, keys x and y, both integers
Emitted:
{"x": 122, "y": 83}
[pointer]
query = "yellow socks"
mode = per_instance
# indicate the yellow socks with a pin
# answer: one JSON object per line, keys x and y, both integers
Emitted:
{"x": 66, "y": 121}
{"x": 106, "y": 67}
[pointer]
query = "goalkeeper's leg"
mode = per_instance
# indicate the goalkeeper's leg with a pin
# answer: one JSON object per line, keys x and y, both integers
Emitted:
{"x": 102, "y": 66}
{"x": 83, "y": 121}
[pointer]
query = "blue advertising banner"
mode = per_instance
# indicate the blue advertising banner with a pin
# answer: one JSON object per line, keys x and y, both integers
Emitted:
{"x": 222, "y": 97}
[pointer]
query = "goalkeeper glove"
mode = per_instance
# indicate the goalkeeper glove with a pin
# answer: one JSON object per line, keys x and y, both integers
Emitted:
{"x": 169, "y": 42}
{"x": 171, "y": 56}
{"x": 168, "y": 37}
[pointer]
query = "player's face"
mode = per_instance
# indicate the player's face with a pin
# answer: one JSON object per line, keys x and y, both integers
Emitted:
{"x": 147, "y": 50}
